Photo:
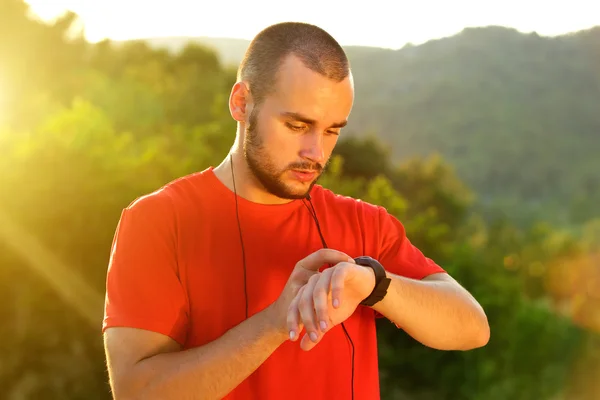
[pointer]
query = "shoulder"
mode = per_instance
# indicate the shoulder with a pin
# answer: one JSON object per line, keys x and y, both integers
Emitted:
{"x": 156, "y": 217}
{"x": 171, "y": 197}
{"x": 347, "y": 206}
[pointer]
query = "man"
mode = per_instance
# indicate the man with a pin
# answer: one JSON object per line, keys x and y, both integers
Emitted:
{"x": 240, "y": 281}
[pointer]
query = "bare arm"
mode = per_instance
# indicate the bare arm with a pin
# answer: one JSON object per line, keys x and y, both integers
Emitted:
{"x": 148, "y": 365}
{"x": 436, "y": 311}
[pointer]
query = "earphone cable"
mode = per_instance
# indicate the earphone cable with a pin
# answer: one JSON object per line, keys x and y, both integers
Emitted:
{"x": 237, "y": 214}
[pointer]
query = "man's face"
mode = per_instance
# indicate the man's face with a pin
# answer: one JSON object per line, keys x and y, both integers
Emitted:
{"x": 289, "y": 139}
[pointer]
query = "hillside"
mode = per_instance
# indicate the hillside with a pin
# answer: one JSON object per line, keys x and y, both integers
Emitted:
{"x": 516, "y": 114}
{"x": 87, "y": 129}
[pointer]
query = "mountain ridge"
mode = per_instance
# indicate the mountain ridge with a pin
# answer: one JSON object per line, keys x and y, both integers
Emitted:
{"x": 516, "y": 113}
{"x": 177, "y": 42}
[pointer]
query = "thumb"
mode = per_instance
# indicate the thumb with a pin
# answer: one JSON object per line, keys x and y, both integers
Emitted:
{"x": 314, "y": 261}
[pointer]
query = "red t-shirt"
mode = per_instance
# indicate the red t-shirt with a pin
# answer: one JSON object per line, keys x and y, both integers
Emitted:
{"x": 176, "y": 268}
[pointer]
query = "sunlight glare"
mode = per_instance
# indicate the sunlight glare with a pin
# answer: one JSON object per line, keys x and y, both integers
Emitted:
{"x": 3, "y": 98}
{"x": 370, "y": 25}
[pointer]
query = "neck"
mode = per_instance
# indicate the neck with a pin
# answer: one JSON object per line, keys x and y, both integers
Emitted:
{"x": 246, "y": 184}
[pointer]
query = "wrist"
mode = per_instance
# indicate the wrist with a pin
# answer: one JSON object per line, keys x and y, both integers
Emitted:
{"x": 369, "y": 280}
{"x": 273, "y": 324}
{"x": 382, "y": 305}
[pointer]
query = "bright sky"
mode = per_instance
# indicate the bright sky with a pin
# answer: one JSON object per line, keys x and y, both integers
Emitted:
{"x": 390, "y": 23}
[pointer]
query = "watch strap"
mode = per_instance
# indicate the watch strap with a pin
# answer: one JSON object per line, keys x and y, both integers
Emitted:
{"x": 382, "y": 282}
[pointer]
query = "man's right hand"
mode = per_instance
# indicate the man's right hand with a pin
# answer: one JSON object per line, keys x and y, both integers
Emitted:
{"x": 299, "y": 277}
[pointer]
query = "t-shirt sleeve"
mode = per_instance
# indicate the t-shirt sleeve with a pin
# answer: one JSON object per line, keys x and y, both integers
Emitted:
{"x": 143, "y": 289}
{"x": 397, "y": 254}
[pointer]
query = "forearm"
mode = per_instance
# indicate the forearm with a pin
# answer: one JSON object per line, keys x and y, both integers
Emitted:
{"x": 213, "y": 370}
{"x": 438, "y": 314}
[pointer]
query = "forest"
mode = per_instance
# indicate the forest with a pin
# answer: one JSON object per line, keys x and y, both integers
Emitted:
{"x": 515, "y": 114}
{"x": 485, "y": 145}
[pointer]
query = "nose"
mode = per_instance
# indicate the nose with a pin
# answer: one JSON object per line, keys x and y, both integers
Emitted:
{"x": 313, "y": 148}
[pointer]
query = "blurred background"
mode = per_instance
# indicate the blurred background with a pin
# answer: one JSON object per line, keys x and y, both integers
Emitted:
{"x": 475, "y": 123}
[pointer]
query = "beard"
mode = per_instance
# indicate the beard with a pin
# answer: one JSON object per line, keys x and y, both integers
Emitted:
{"x": 263, "y": 168}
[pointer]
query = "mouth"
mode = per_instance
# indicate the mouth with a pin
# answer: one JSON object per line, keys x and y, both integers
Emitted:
{"x": 304, "y": 176}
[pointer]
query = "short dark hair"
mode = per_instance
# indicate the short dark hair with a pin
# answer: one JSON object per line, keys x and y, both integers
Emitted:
{"x": 316, "y": 48}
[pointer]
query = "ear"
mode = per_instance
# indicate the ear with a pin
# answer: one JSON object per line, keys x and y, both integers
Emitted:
{"x": 239, "y": 101}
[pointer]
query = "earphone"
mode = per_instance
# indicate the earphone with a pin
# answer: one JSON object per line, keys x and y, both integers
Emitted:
{"x": 313, "y": 214}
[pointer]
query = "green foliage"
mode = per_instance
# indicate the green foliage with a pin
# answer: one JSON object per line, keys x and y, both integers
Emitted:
{"x": 515, "y": 114}
{"x": 118, "y": 121}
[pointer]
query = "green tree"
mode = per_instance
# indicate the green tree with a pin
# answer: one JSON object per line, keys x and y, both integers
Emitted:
{"x": 95, "y": 126}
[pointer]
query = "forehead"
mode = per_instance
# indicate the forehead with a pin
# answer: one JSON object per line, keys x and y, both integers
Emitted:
{"x": 301, "y": 90}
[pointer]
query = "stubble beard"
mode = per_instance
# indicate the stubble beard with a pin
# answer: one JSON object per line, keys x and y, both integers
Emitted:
{"x": 263, "y": 169}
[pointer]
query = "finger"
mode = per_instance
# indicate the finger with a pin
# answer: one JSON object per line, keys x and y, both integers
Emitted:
{"x": 338, "y": 279}
{"x": 321, "y": 299}
{"x": 314, "y": 261}
{"x": 306, "y": 344}
{"x": 294, "y": 323}
{"x": 307, "y": 310}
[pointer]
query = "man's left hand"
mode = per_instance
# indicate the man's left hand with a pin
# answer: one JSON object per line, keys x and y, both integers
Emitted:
{"x": 328, "y": 299}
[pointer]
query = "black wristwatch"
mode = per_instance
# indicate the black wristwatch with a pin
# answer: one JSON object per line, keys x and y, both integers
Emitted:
{"x": 382, "y": 282}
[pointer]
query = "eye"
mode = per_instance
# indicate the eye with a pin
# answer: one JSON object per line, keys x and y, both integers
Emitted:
{"x": 333, "y": 133}
{"x": 295, "y": 127}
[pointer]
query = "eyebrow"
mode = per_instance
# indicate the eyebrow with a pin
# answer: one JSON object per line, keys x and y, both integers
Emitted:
{"x": 310, "y": 121}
